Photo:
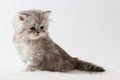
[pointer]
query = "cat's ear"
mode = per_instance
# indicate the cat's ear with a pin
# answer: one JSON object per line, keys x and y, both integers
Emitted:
{"x": 47, "y": 13}
{"x": 22, "y": 16}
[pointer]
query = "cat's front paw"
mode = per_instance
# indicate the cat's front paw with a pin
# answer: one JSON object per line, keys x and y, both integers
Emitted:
{"x": 28, "y": 69}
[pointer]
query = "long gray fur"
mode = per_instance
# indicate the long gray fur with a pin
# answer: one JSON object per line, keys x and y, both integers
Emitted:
{"x": 36, "y": 48}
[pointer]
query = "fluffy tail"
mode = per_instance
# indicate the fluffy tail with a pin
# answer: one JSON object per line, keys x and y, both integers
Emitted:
{"x": 86, "y": 66}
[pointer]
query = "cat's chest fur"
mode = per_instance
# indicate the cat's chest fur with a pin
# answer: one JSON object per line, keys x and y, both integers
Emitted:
{"x": 33, "y": 48}
{"x": 37, "y": 49}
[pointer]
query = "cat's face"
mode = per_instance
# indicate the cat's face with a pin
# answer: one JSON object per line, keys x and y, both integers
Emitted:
{"x": 32, "y": 24}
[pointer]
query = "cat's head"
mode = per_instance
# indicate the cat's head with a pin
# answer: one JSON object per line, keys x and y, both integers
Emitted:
{"x": 32, "y": 24}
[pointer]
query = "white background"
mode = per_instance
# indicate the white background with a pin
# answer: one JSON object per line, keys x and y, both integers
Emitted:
{"x": 88, "y": 29}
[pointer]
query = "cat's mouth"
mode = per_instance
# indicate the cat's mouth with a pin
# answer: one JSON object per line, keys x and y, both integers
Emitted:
{"x": 36, "y": 35}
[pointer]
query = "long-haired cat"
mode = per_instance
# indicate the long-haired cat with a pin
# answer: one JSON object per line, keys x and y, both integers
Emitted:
{"x": 38, "y": 51}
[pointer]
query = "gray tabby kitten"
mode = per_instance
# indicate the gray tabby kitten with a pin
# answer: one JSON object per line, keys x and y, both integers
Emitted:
{"x": 37, "y": 50}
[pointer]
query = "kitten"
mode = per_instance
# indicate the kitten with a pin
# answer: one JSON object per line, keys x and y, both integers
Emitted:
{"x": 38, "y": 51}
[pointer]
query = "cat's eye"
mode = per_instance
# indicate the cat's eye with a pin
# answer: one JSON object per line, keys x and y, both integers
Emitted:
{"x": 32, "y": 28}
{"x": 42, "y": 27}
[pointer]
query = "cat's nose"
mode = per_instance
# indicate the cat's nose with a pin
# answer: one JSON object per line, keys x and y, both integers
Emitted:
{"x": 37, "y": 32}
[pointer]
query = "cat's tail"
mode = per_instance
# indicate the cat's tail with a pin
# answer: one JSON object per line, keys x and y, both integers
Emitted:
{"x": 86, "y": 66}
